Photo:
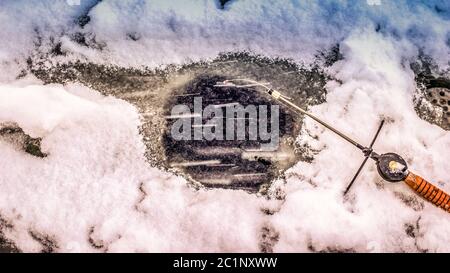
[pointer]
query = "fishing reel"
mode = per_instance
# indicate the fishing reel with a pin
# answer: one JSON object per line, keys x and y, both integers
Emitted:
{"x": 391, "y": 167}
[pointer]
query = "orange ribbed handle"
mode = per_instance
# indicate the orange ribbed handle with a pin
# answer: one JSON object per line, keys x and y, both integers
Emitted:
{"x": 428, "y": 191}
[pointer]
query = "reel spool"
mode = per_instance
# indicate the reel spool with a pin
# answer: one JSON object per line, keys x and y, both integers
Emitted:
{"x": 392, "y": 167}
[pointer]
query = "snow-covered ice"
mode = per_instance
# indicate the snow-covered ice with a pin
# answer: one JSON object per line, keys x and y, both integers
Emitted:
{"x": 95, "y": 191}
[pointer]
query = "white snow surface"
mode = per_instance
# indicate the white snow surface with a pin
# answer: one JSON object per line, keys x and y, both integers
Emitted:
{"x": 95, "y": 187}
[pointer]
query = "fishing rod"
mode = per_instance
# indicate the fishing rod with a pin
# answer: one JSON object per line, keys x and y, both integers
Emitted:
{"x": 391, "y": 166}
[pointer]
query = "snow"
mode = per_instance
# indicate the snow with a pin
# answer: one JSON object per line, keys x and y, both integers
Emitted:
{"x": 376, "y": 83}
{"x": 175, "y": 32}
{"x": 95, "y": 184}
{"x": 92, "y": 177}
{"x": 197, "y": 29}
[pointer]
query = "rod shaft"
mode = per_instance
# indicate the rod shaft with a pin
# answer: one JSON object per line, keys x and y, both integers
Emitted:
{"x": 278, "y": 97}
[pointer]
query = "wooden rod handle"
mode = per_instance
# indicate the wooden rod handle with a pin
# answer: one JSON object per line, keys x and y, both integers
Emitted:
{"x": 428, "y": 191}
